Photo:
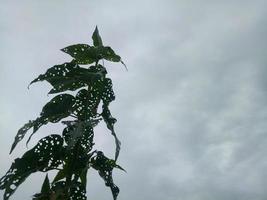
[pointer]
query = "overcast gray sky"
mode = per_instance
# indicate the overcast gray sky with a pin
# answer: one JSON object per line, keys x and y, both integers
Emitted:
{"x": 191, "y": 109}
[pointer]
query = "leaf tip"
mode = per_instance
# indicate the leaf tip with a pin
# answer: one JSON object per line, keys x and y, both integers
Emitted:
{"x": 13, "y": 146}
{"x": 11, "y": 150}
{"x": 124, "y": 65}
{"x": 64, "y": 50}
{"x": 35, "y": 80}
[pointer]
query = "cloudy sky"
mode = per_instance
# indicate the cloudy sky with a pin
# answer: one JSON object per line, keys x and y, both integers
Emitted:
{"x": 191, "y": 109}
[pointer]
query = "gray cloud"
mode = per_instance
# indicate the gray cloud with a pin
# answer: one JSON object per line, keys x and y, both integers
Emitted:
{"x": 191, "y": 110}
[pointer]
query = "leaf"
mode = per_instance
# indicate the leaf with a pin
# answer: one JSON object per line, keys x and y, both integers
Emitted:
{"x": 82, "y": 53}
{"x": 86, "y": 104}
{"x": 93, "y": 122}
{"x": 107, "y": 97}
{"x": 81, "y": 132}
{"x": 102, "y": 88}
{"x": 105, "y": 90}
{"x": 66, "y": 171}
{"x": 98, "y": 69}
{"x": 56, "y": 72}
{"x": 46, "y": 155}
{"x": 107, "y": 93}
{"x": 45, "y": 191}
{"x": 110, "y": 121}
{"x": 56, "y": 109}
{"x": 96, "y": 38}
{"x": 87, "y": 101}
{"x": 68, "y": 76}
{"x": 79, "y": 139}
{"x": 83, "y": 177}
{"x": 35, "y": 124}
{"x": 109, "y": 54}
{"x": 60, "y": 175}
{"x": 63, "y": 173}
{"x": 21, "y": 133}
{"x": 124, "y": 65}
{"x": 76, "y": 191}
{"x": 46, "y": 185}
{"x": 58, "y": 189}
{"x": 104, "y": 166}
{"x": 85, "y": 54}
{"x": 59, "y": 107}
{"x": 114, "y": 165}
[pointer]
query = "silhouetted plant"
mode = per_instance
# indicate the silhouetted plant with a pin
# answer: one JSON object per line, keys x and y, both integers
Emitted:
{"x": 72, "y": 152}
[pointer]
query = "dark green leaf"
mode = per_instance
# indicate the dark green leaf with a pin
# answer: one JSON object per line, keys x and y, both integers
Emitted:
{"x": 124, "y": 65}
{"x": 85, "y": 54}
{"x": 108, "y": 54}
{"x": 87, "y": 101}
{"x": 86, "y": 104}
{"x": 36, "y": 124}
{"x": 98, "y": 69}
{"x": 83, "y": 177}
{"x": 62, "y": 77}
{"x": 56, "y": 73}
{"x": 63, "y": 173}
{"x": 68, "y": 76}
{"x": 46, "y": 185}
{"x": 96, "y": 38}
{"x": 56, "y": 109}
{"x": 60, "y": 175}
{"x": 40, "y": 121}
{"x": 82, "y": 132}
{"x": 104, "y": 166}
{"x": 110, "y": 121}
{"x": 82, "y": 53}
{"x": 107, "y": 93}
{"x": 21, "y": 133}
{"x": 42, "y": 196}
{"x": 114, "y": 165}
{"x": 76, "y": 191}
{"x": 59, "y": 107}
{"x": 46, "y": 155}
{"x": 59, "y": 189}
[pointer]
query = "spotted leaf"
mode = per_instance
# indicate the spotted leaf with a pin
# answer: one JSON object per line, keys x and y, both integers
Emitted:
{"x": 105, "y": 166}
{"x": 46, "y": 155}
{"x": 82, "y": 132}
{"x": 110, "y": 121}
{"x": 56, "y": 109}
{"x": 86, "y": 103}
{"x": 82, "y": 53}
{"x": 108, "y": 54}
{"x": 67, "y": 76}
{"x": 35, "y": 124}
{"x": 76, "y": 191}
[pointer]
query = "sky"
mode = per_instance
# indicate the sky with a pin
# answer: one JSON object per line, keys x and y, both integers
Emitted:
{"x": 191, "y": 110}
